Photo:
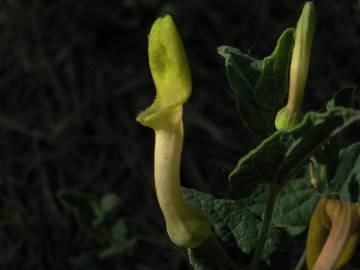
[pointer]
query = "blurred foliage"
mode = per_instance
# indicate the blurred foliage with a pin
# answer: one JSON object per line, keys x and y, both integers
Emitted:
{"x": 100, "y": 220}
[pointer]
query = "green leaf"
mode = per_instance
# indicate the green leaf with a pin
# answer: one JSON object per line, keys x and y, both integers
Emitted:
{"x": 345, "y": 183}
{"x": 242, "y": 71}
{"x": 233, "y": 225}
{"x": 259, "y": 85}
{"x": 327, "y": 155}
{"x": 272, "y": 86}
{"x": 238, "y": 223}
{"x": 250, "y": 68}
{"x": 345, "y": 97}
{"x": 293, "y": 207}
{"x": 279, "y": 156}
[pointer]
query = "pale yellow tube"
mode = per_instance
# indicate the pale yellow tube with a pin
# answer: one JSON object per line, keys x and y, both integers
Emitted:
{"x": 187, "y": 227}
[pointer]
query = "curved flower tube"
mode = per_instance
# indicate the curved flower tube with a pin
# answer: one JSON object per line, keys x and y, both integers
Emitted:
{"x": 291, "y": 115}
{"x": 333, "y": 234}
{"x": 187, "y": 227}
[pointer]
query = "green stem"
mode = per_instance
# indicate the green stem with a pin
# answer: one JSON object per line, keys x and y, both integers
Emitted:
{"x": 273, "y": 192}
{"x": 214, "y": 248}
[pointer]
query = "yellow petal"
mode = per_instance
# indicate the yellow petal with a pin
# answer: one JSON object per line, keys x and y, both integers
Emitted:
{"x": 318, "y": 233}
{"x": 169, "y": 69}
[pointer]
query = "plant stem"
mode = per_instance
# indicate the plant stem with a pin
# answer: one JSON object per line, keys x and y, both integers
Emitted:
{"x": 265, "y": 226}
{"x": 214, "y": 248}
{"x": 301, "y": 262}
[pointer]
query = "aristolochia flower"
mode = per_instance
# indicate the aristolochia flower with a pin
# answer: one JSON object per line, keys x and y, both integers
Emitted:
{"x": 186, "y": 226}
{"x": 333, "y": 234}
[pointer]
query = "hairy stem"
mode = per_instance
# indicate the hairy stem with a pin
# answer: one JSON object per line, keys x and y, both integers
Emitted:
{"x": 216, "y": 250}
{"x": 273, "y": 192}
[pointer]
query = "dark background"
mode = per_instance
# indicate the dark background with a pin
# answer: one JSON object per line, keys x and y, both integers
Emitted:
{"x": 74, "y": 75}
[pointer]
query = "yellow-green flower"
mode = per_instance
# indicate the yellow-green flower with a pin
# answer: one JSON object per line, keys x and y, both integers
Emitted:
{"x": 186, "y": 226}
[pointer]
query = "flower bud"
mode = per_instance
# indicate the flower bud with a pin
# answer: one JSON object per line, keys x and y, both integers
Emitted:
{"x": 291, "y": 114}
